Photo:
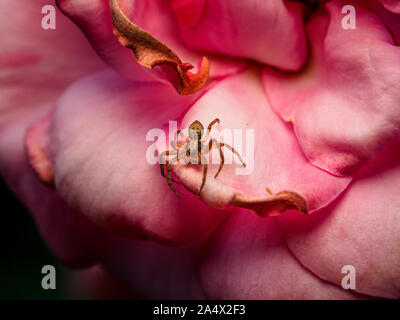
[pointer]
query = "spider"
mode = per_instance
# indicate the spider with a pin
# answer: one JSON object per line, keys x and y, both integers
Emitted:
{"x": 194, "y": 150}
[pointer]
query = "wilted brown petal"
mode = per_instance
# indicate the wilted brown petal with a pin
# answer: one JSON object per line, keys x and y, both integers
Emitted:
{"x": 151, "y": 53}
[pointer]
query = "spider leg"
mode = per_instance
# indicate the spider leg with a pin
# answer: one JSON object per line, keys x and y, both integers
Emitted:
{"x": 169, "y": 152}
{"x": 203, "y": 182}
{"x": 163, "y": 171}
{"x": 216, "y": 120}
{"x": 214, "y": 143}
{"x": 233, "y": 151}
{"x": 169, "y": 180}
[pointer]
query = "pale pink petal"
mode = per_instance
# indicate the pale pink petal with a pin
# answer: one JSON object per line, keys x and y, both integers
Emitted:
{"x": 36, "y": 64}
{"x": 154, "y": 271}
{"x": 249, "y": 260}
{"x": 344, "y": 106}
{"x": 99, "y": 146}
{"x": 270, "y": 32}
{"x": 277, "y": 163}
{"x": 74, "y": 240}
{"x": 361, "y": 229}
{"x": 155, "y": 17}
{"x": 35, "y": 67}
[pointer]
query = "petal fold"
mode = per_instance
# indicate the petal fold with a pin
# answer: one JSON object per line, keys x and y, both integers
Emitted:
{"x": 248, "y": 259}
{"x": 94, "y": 18}
{"x": 36, "y": 66}
{"x": 392, "y": 5}
{"x": 150, "y": 52}
{"x": 361, "y": 229}
{"x": 75, "y": 240}
{"x": 102, "y": 146}
{"x": 277, "y": 176}
{"x": 344, "y": 105}
{"x": 37, "y": 142}
{"x": 269, "y": 32}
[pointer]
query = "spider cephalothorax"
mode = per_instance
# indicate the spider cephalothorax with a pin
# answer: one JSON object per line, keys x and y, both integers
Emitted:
{"x": 193, "y": 150}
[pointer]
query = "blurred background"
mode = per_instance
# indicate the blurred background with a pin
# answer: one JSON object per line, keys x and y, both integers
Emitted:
{"x": 23, "y": 254}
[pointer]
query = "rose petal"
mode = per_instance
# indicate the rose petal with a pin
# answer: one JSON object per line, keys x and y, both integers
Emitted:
{"x": 38, "y": 148}
{"x": 361, "y": 229}
{"x": 344, "y": 106}
{"x": 151, "y": 53}
{"x": 94, "y": 19}
{"x": 72, "y": 238}
{"x": 35, "y": 64}
{"x": 155, "y": 271}
{"x": 35, "y": 67}
{"x": 99, "y": 145}
{"x": 390, "y": 19}
{"x": 249, "y": 260}
{"x": 96, "y": 283}
{"x": 270, "y": 32}
{"x": 239, "y": 102}
{"x": 392, "y": 5}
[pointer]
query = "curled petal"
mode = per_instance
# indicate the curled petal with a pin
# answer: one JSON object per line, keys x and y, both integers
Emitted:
{"x": 37, "y": 146}
{"x": 392, "y": 5}
{"x": 94, "y": 19}
{"x": 150, "y": 52}
{"x": 99, "y": 141}
{"x": 279, "y": 203}
{"x": 35, "y": 68}
{"x": 361, "y": 229}
{"x": 268, "y": 148}
{"x": 389, "y": 18}
{"x": 249, "y": 259}
{"x": 344, "y": 105}
{"x": 75, "y": 240}
{"x": 269, "y": 32}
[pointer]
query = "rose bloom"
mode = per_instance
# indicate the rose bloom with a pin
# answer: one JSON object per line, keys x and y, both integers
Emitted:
{"x": 77, "y": 102}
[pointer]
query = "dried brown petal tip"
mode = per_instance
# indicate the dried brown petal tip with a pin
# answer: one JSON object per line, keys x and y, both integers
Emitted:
{"x": 151, "y": 53}
{"x": 272, "y": 205}
{"x": 37, "y": 148}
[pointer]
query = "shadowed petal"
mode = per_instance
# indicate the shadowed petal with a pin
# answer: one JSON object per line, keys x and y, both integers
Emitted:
{"x": 155, "y": 271}
{"x": 392, "y": 5}
{"x": 73, "y": 239}
{"x": 36, "y": 65}
{"x": 248, "y": 259}
{"x": 389, "y": 18}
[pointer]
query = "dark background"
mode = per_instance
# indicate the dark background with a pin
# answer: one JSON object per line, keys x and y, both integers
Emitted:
{"x": 23, "y": 254}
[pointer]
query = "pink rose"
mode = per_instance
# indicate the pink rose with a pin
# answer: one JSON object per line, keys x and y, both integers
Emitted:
{"x": 323, "y": 103}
